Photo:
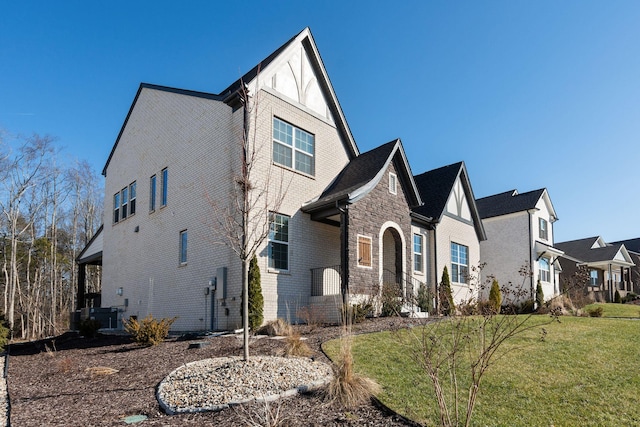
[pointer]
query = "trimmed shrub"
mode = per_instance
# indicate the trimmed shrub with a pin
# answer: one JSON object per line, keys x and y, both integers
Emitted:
{"x": 616, "y": 297}
{"x": 149, "y": 331}
{"x": 447, "y": 307}
{"x": 424, "y": 298}
{"x": 595, "y": 311}
{"x": 539, "y": 296}
{"x": 256, "y": 300}
{"x": 495, "y": 297}
{"x": 391, "y": 299}
{"x": 88, "y": 328}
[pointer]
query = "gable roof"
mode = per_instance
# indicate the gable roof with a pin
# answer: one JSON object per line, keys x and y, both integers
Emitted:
{"x": 362, "y": 174}
{"x": 435, "y": 187}
{"x": 512, "y": 202}
{"x": 590, "y": 250}
{"x": 230, "y": 94}
{"x": 631, "y": 244}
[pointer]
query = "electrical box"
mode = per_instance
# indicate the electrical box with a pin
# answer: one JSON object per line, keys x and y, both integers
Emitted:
{"x": 221, "y": 281}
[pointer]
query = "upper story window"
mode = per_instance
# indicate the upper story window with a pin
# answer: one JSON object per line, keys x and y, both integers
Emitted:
{"x": 364, "y": 251}
{"x": 459, "y": 263}
{"x": 278, "y": 241}
{"x": 544, "y": 270}
{"x": 393, "y": 183}
{"x": 164, "y": 183}
{"x": 183, "y": 247}
{"x": 544, "y": 229}
{"x": 152, "y": 193}
{"x": 418, "y": 264}
{"x": 593, "y": 278}
{"x": 293, "y": 147}
{"x": 124, "y": 203}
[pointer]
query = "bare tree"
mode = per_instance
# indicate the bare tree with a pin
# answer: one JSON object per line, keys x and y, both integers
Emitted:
{"x": 243, "y": 224}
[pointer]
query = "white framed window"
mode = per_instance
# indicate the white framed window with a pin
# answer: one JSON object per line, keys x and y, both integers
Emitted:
{"x": 544, "y": 270}
{"x": 543, "y": 227}
{"x": 116, "y": 208}
{"x": 393, "y": 183}
{"x": 124, "y": 194}
{"x": 293, "y": 148}
{"x": 364, "y": 251}
{"x": 459, "y": 263}
{"x": 593, "y": 278}
{"x": 164, "y": 189}
{"x": 152, "y": 193}
{"x": 278, "y": 241}
{"x": 418, "y": 257}
{"x": 184, "y": 240}
{"x": 132, "y": 198}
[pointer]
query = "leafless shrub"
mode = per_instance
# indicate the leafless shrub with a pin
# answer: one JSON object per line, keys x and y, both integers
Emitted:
{"x": 261, "y": 414}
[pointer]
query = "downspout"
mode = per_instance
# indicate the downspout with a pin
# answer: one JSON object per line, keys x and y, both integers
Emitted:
{"x": 435, "y": 267}
{"x": 531, "y": 256}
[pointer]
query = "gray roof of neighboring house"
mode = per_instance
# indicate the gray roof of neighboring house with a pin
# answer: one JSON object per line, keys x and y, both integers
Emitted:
{"x": 631, "y": 244}
{"x": 435, "y": 187}
{"x": 508, "y": 202}
{"x": 581, "y": 250}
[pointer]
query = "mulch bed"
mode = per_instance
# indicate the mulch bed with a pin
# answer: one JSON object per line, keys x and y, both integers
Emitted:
{"x": 59, "y": 382}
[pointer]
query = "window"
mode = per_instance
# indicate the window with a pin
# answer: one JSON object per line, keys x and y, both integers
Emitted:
{"x": 364, "y": 251}
{"x": 544, "y": 233}
{"x": 393, "y": 183}
{"x": 278, "y": 241}
{"x": 132, "y": 198}
{"x": 116, "y": 207}
{"x": 125, "y": 201}
{"x": 459, "y": 263}
{"x": 152, "y": 193}
{"x": 544, "y": 270}
{"x": 183, "y": 247}
{"x": 593, "y": 278}
{"x": 165, "y": 177}
{"x": 417, "y": 253}
{"x": 293, "y": 147}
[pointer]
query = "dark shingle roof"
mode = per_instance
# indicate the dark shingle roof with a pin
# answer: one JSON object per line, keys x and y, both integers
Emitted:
{"x": 434, "y": 187}
{"x": 581, "y": 250}
{"x": 631, "y": 244}
{"x": 358, "y": 171}
{"x": 508, "y": 202}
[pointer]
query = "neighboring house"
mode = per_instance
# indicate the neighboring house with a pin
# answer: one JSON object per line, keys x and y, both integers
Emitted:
{"x": 609, "y": 266}
{"x": 633, "y": 247}
{"x": 519, "y": 249}
{"x": 345, "y": 221}
{"x": 452, "y": 231}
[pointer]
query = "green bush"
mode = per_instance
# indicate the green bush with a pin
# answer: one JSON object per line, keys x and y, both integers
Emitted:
{"x": 595, "y": 311}
{"x": 495, "y": 297}
{"x": 424, "y": 298}
{"x": 616, "y": 297}
{"x": 391, "y": 299}
{"x": 4, "y": 332}
{"x": 256, "y": 300}
{"x": 359, "y": 312}
{"x": 539, "y": 296}
{"x": 447, "y": 307}
{"x": 149, "y": 331}
{"x": 88, "y": 328}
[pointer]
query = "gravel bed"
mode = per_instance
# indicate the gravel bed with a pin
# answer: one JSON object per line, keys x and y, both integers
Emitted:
{"x": 214, "y": 384}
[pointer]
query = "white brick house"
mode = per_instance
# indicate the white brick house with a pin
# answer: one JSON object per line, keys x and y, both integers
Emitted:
{"x": 519, "y": 229}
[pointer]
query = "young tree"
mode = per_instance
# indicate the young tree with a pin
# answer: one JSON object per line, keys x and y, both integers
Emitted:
{"x": 539, "y": 295}
{"x": 495, "y": 297}
{"x": 256, "y": 300}
{"x": 244, "y": 222}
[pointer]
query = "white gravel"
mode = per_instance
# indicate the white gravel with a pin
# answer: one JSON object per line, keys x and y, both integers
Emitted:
{"x": 215, "y": 384}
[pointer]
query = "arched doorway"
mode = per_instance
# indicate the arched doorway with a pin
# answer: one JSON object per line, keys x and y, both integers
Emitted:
{"x": 392, "y": 246}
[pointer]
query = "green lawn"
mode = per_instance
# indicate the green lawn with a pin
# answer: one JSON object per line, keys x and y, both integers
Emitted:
{"x": 617, "y": 310}
{"x": 586, "y": 372}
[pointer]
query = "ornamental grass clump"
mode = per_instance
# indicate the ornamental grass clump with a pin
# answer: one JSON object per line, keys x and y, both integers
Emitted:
{"x": 149, "y": 331}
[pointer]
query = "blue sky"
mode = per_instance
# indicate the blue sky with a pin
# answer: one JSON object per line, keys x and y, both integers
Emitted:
{"x": 529, "y": 94}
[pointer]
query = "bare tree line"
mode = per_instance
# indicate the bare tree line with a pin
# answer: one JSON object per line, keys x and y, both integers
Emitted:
{"x": 48, "y": 212}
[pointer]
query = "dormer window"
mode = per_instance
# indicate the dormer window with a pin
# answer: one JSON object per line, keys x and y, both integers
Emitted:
{"x": 543, "y": 228}
{"x": 393, "y": 183}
